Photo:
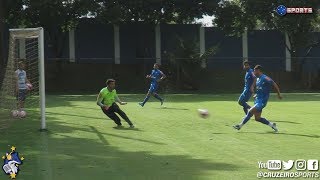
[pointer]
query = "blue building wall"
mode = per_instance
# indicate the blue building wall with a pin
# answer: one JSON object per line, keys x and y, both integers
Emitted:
{"x": 137, "y": 43}
{"x": 51, "y": 52}
{"x": 170, "y": 34}
{"x": 229, "y": 54}
{"x": 267, "y": 48}
{"x": 310, "y": 57}
{"x": 94, "y": 43}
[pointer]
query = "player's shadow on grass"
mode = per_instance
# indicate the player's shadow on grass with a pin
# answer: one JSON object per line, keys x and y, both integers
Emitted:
{"x": 301, "y": 135}
{"x": 126, "y": 128}
{"x": 284, "y": 133}
{"x": 74, "y": 115}
{"x": 290, "y": 122}
{"x": 171, "y": 108}
{"x": 65, "y": 128}
{"x": 137, "y": 165}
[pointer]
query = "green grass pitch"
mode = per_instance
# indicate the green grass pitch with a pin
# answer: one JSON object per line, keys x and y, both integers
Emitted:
{"x": 167, "y": 143}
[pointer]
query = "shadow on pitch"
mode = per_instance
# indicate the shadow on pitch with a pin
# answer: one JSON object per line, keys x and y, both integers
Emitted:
{"x": 126, "y": 128}
{"x": 78, "y": 150}
{"x": 74, "y": 115}
{"x": 290, "y": 122}
{"x": 170, "y": 108}
{"x": 283, "y": 133}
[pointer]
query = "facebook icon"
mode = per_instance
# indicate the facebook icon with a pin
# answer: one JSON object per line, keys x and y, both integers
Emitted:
{"x": 313, "y": 165}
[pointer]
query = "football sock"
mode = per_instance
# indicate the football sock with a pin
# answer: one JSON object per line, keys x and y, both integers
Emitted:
{"x": 245, "y": 107}
{"x": 157, "y": 96}
{"x": 145, "y": 99}
{"x": 264, "y": 121}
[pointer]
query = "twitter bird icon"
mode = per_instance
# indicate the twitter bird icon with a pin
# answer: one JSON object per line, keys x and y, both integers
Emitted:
{"x": 287, "y": 165}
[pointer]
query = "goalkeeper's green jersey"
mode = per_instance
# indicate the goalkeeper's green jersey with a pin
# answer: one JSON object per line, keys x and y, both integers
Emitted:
{"x": 108, "y": 97}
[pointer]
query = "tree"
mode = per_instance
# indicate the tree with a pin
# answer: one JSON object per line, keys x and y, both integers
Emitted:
{"x": 154, "y": 11}
{"x": 234, "y": 17}
{"x": 185, "y": 63}
{"x": 57, "y": 17}
{"x": 10, "y": 13}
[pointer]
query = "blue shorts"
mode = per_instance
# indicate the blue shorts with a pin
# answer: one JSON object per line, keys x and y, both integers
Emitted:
{"x": 245, "y": 96}
{"x": 259, "y": 104}
{"x": 153, "y": 88}
{"x": 22, "y": 93}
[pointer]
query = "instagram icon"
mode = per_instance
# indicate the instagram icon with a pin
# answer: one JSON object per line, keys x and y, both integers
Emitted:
{"x": 301, "y": 165}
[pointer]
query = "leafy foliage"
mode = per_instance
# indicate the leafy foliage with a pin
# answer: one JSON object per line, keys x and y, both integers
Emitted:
{"x": 186, "y": 62}
{"x": 236, "y": 16}
{"x": 154, "y": 11}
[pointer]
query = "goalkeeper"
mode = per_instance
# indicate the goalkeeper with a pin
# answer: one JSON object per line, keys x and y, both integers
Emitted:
{"x": 107, "y": 99}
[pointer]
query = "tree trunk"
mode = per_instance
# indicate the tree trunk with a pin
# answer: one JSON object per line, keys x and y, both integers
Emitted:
{"x": 2, "y": 19}
{"x": 1, "y": 45}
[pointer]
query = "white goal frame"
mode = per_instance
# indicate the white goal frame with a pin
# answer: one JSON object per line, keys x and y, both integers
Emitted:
{"x": 40, "y": 35}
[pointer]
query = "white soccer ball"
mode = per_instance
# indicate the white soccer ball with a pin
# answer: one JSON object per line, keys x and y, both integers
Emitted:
{"x": 15, "y": 113}
{"x": 22, "y": 114}
{"x": 203, "y": 113}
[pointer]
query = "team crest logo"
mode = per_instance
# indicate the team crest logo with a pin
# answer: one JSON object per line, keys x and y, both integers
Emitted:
{"x": 12, "y": 162}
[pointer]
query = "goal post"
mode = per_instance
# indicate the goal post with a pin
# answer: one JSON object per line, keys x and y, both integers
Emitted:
{"x": 26, "y": 45}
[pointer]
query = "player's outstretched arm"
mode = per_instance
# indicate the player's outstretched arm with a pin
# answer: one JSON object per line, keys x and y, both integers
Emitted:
{"x": 99, "y": 100}
{"x": 119, "y": 101}
{"x": 253, "y": 85}
{"x": 162, "y": 75}
{"x": 275, "y": 85}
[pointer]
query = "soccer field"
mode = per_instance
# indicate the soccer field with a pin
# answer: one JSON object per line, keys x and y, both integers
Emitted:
{"x": 167, "y": 143}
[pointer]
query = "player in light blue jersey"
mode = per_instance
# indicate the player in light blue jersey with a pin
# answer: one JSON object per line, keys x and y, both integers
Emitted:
{"x": 156, "y": 76}
{"x": 249, "y": 80}
{"x": 21, "y": 84}
{"x": 263, "y": 87}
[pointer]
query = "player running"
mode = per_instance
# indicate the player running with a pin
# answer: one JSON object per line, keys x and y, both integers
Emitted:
{"x": 107, "y": 99}
{"x": 249, "y": 80}
{"x": 263, "y": 86}
{"x": 155, "y": 76}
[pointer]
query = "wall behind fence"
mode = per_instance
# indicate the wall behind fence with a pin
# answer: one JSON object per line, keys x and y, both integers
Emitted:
{"x": 88, "y": 55}
{"x": 229, "y": 54}
{"x": 95, "y": 43}
{"x": 85, "y": 77}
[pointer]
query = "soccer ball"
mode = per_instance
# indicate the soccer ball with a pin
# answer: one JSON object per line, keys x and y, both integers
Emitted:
{"x": 22, "y": 114}
{"x": 15, "y": 113}
{"x": 203, "y": 113}
{"x": 29, "y": 86}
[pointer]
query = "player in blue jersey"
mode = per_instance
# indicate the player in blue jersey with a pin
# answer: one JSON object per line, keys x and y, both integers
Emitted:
{"x": 156, "y": 76}
{"x": 263, "y": 87}
{"x": 249, "y": 80}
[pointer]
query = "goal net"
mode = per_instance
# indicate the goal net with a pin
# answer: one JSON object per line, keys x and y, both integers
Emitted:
{"x": 26, "y": 54}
